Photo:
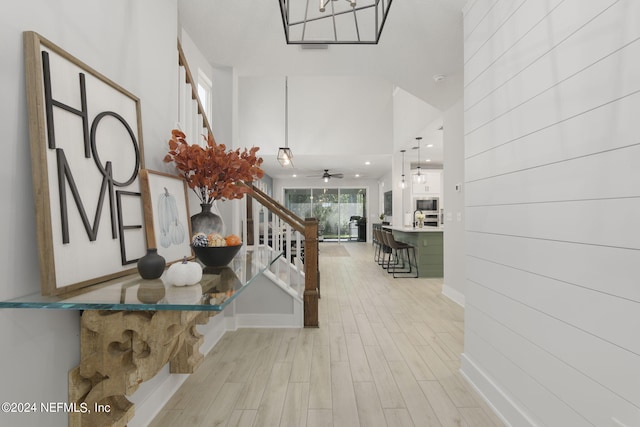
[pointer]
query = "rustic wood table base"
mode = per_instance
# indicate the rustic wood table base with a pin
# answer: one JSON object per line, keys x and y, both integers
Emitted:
{"x": 121, "y": 349}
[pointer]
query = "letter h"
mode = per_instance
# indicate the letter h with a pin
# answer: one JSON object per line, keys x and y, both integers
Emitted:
{"x": 50, "y": 103}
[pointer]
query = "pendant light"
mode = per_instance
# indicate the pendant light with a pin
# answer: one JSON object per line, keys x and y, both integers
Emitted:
{"x": 403, "y": 183}
{"x": 285, "y": 156}
{"x": 419, "y": 178}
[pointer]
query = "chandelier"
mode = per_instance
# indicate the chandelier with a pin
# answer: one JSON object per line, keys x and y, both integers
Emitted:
{"x": 322, "y": 22}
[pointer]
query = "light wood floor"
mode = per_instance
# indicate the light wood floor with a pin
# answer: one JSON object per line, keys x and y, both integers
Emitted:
{"x": 387, "y": 353}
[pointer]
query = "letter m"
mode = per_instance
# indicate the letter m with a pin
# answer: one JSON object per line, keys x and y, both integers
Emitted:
{"x": 64, "y": 176}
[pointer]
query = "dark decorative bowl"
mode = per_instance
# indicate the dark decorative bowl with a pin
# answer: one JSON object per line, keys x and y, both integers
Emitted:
{"x": 213, "y": 256}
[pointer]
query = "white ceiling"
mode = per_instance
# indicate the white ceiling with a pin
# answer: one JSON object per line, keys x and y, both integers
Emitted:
{"x": 421, "y": 38}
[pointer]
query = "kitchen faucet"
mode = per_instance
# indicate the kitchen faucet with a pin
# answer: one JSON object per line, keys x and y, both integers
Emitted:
{"x": 414, "y": 217}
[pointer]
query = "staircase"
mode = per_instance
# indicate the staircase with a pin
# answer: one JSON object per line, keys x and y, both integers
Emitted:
{"x": 265, "y": 221}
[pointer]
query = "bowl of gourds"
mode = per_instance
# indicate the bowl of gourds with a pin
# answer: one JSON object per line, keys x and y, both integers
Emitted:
{"x": 215, "y": 250}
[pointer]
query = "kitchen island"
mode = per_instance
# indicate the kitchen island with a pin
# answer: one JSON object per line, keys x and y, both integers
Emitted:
{"x": 428, "y": 242}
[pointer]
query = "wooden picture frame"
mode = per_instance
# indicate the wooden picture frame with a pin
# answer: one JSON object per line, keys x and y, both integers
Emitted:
{"x": 85, "y": 135}
{"x": 166, "y": 214}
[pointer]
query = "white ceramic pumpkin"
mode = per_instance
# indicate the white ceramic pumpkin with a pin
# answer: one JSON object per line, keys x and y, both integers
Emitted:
{"x": 184, "y": 273}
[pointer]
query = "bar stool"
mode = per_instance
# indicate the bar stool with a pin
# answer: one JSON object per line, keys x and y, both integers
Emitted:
{"x": 376, "y": 245}
{"x": 388, "y": 253}
{"x": 383, "y": 250}
{"x": 398, "y": 250}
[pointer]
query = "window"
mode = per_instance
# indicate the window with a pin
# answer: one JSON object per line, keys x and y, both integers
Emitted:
{"x": 204, "y": 92}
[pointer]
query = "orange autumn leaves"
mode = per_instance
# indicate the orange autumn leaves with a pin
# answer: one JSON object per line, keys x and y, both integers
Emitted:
{"x": 212, "y": 172}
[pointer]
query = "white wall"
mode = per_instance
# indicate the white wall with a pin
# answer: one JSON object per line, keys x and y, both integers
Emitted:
{"x": 454, "y": 219}
{"x": 385, "y": 184}
{"x": 136, "y": 49}
{"x": 411, "y": 115}
{"x": 326, "y": 113}
{"x": 552, "y": 95}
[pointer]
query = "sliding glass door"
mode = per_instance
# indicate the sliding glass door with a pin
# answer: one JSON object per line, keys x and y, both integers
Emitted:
{"x": 298, "y": 201}
{"x": 327, "y": 210}
{"x": 338, "y": 210}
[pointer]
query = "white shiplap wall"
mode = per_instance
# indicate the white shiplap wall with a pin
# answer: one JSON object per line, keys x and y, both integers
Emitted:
{"x": 552, "y": 149}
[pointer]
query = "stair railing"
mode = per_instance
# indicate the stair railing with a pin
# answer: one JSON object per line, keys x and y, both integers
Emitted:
{"x": 192, "y": 115}
{"x": 276, "y": 227}
{"x": 271, "y": 224}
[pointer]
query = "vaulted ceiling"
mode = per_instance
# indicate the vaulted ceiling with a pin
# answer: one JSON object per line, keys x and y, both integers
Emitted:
{"x": 421, "y": 39}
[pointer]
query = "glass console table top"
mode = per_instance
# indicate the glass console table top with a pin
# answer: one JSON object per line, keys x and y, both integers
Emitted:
{"x": 218, "y": 287}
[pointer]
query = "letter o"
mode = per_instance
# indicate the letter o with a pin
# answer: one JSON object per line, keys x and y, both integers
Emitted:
{"x": 94, "y": 151}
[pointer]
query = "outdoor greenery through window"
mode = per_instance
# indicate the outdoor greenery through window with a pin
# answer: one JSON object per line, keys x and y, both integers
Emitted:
{"x": 339, "y": 210}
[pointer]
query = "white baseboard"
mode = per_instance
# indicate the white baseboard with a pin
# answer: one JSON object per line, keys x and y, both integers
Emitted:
{"x": 230, "y": 323}
{"x": 503, "y": 406}
{"x": 146, "y": 410}
{"x": 453, "y": 294}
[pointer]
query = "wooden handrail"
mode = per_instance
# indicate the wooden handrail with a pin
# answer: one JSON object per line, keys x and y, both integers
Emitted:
{"x": 182, "y": 60}
{"x": 285, "y": 214}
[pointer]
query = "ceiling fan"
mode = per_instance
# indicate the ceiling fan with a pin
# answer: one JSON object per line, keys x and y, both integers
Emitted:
{"x": 326, "y": 176}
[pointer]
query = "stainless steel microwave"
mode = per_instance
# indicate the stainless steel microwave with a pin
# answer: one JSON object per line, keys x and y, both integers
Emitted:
{"x": 427, "y": 205}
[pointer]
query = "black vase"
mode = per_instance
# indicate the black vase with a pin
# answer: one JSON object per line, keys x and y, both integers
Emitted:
{"x": 206, "y": 222}
{"x": 151, "y": 266}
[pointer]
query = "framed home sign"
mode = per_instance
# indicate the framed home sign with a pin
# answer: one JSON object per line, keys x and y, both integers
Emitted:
{"x": 86, "y": 154}
{"x": 166, "y": 214}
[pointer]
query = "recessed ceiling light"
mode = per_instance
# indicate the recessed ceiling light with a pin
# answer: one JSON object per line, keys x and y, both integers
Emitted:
{"x": 427, "y": 160}
{"x": 357, "y": 175}
{"x": 294, "y": 175}
{"x": 429, "y": 145}
{"x": 367, "y": 163}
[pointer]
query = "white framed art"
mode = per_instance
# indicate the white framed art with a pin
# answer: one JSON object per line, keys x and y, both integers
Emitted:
{"x": 85, "y": 135}
{"x": 166, "y": 213}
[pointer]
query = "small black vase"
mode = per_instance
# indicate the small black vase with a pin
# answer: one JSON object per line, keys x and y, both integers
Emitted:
{"x": 151, "y": 266}
{"x": 206, "y": 221}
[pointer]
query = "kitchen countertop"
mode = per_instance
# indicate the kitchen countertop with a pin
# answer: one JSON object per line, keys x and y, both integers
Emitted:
{"x": 425, "y": 229}
{"x": 429, "y": 247}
